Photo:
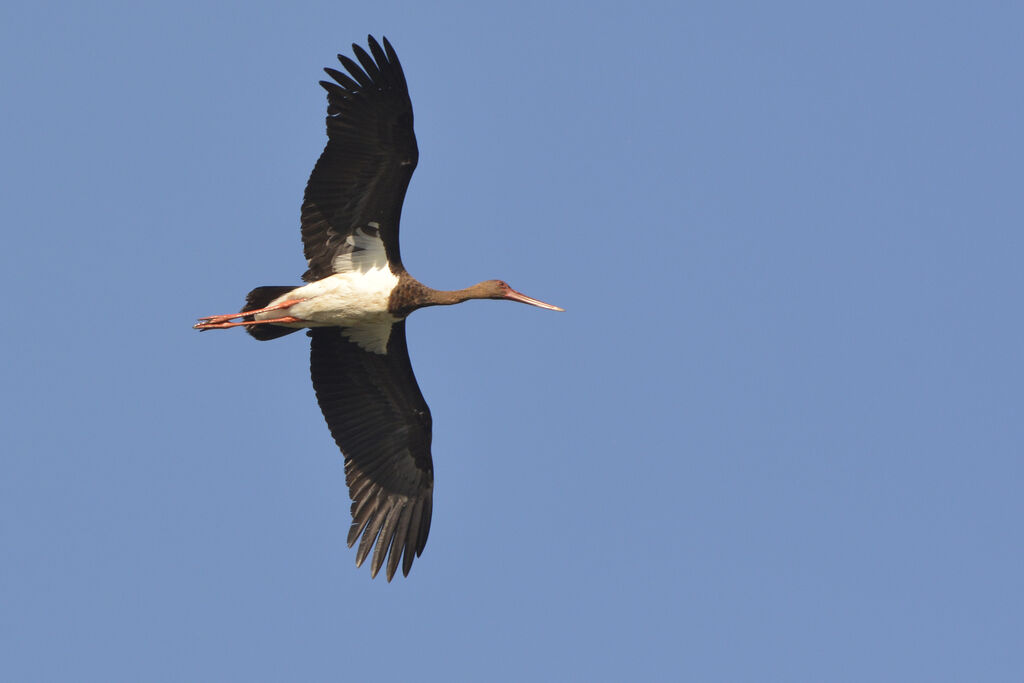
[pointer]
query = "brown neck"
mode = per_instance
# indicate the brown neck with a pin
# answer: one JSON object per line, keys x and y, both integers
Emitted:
{"x": 444, "y": 297}
{"x": 411, "y": 294}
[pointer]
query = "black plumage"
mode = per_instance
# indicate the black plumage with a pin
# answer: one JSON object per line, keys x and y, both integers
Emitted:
{"x": 372, "y": 403}
{"x": 364, "y": 171}
{"x": 381, "y": 423}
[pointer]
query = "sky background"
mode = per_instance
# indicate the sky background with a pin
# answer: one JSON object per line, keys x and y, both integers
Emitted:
{"x": 777, "y": 435}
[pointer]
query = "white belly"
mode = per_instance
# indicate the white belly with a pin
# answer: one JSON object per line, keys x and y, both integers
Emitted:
{"x": 355, "y": 301}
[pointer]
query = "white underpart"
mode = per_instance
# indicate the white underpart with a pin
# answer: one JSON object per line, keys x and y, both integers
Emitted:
{"x": 355, "y": 298}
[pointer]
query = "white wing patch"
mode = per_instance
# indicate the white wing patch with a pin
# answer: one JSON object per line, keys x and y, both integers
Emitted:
{"x": 371, "y": 336}
{"x": 363, "y": 251}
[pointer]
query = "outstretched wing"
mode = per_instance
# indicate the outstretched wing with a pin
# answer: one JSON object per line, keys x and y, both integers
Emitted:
{"x": 380, "y": 421}
{"x": 359, "y": 182}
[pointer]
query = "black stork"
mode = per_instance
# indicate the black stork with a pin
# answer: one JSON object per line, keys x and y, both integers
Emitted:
{"x": 355, "y": 303}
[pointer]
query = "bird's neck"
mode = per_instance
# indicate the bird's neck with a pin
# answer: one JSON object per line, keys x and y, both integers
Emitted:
{"x": 410, "y": 294}
{"x": 447, "y": 297}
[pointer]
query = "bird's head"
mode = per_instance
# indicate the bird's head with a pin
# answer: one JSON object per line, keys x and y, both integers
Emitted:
{"x": 499, "y": 289}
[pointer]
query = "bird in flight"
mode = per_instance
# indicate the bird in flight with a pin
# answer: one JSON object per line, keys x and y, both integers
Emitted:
{"x": 354, "y": 303}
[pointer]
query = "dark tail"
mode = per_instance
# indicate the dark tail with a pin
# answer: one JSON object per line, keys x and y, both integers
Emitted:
{"x": 261, "y": 298}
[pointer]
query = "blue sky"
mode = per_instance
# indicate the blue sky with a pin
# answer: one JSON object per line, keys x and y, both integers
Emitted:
{"x": 776, "y": 436}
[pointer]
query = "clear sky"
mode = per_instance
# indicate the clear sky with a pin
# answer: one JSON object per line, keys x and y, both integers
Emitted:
{"x": 777, "y": 435}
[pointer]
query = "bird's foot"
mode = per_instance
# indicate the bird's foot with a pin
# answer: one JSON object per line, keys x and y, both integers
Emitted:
{"x": 216, "y": 319}
{"x": 219, "y": 323}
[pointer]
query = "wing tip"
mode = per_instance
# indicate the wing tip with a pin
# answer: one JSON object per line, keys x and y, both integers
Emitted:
{"x": 395, "y": 532}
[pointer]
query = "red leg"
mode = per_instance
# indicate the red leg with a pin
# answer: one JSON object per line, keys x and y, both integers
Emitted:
{"x": 213, "y": 319}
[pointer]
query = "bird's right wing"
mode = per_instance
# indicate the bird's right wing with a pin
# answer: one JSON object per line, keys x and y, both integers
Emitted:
{"x": 357, "y": 187}
{"x": 379, "y": 419}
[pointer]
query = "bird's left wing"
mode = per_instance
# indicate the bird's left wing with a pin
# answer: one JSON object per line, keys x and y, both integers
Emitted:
{"x": 357, "y": 187}
{"x": 380, "y": 421}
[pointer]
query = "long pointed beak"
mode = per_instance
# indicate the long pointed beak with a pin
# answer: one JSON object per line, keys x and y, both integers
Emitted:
{"x": 513, "y": 295}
